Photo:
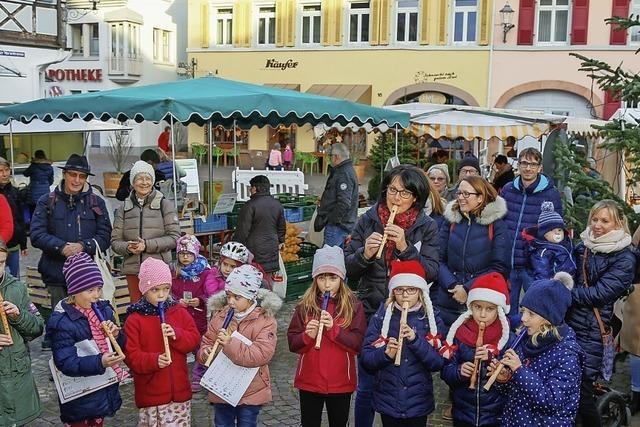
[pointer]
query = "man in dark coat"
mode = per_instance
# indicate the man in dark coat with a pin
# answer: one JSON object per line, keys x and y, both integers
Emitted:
{"x": 338, "y": 209}
{"x": 18, "y": 243}
{"x": 69, "y": 220}
{"x": 261, "y": 225}
{"x": 124, "y": 188}
{"x": 504, "y": 172}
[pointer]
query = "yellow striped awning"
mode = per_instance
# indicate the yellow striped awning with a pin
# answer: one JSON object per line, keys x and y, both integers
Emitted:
{"x": 451, "y": 131}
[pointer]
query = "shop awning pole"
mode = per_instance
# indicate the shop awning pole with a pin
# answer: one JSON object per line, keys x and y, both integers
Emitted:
{"x": 235, "y": 155}
{"x": 13, "y": 168}
{"x": 173, "y": 165}
{"x": 210, "y": 189}
{"x": 397, "y": 141}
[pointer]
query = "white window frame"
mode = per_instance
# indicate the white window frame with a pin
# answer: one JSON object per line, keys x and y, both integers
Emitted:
{"x": 227, "y": 25}
{"x": 124, "y": 44}
{"x": 85, "y": 40}
{"x": 311, "y": 14}
{"x": 268, "y": 17}
{"x": 554, "y": 9}
{"x": 77, "y": 50}
{"x": 359, "y": 13}
{"x": 634, "y": 9}
{"x": 407, "y": 11}
{"x": 465, "y": 10}
{"x": 162, "y": 46}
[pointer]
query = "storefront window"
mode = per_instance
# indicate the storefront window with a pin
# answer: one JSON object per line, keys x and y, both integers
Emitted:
{"x": 311, "y": 17}
{"x": 553, "y": 21}
{"x": 225, "y": 136}
{"x": 407, "y": 21}
{"x": 634, "y": 32}
{"x": 283, "y": 135}
{"x": 267, "y": 25}
{"x": 465, "y": 17}
{"x": 359, "y": 13}
{"x": 223, "y": 19}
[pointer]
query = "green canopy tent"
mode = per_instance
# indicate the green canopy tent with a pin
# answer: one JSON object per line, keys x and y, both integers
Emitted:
{"x": 206, "y": 100}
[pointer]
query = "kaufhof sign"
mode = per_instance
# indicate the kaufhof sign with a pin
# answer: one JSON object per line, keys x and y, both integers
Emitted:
{"x": 77, "y": 75}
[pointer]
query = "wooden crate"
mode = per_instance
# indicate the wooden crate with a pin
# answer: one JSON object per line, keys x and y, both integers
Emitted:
{"x": 38, "y": 292}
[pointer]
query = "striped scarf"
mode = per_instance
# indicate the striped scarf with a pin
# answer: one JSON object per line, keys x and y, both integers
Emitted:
{"x": 100, "y": 338}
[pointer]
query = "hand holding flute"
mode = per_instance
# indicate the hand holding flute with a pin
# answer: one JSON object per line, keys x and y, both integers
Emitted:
{"x": 510, "y": 360}
{"x": 167, "y": 331}
{"x": 403, "y": 325}
{"x": 476, "y": 362}
{"x": 385, "y": 236}
{"x": 107, "y": 331}
{"x": 221, "y": 335}
{"x": 325, "y": 304}
{"x": 7, "y": 309}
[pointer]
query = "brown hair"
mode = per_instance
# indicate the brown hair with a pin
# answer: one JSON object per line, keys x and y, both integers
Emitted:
{"x": 437, "y": 206}
{"x": 614, "y": 209}
{"x": 484, "y": 188}
{"x": 532, "y": 153}
{"x": 345, "y": 301}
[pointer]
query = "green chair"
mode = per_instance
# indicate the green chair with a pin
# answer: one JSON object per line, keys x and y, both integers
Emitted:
{"x": 217, "y": 153}
{"x": 235, "y": 152}
{"x": 311, "y": 161}
{"x": 298, "y": 160}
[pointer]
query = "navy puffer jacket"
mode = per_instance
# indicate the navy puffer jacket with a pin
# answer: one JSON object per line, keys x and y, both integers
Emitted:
{"x": 404, "y": 391}
{"x": 40, "y": 179}
{"x": 610, "y": 277}
{"x": 523, "y": 206}
{"x": 372, "y": 274}
{"x": 67, "y": 327}
{"x": 467, "y": 251}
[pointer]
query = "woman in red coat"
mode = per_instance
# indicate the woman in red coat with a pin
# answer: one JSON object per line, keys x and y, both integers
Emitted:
{"x": 6, "y": 220}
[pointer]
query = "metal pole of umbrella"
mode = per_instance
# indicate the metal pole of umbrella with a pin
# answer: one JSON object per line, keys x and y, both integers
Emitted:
{"x": 397, "y": 142}
{"x": 210, "y": 189}
{"x": 173, "y": 165}
{"x": 235, "y": 156}
{"x": 13, "y": 167}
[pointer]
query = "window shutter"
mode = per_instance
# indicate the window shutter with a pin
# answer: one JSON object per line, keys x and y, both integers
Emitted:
{"x": 526, "y": 20}
{"x": 442, "y": 22}
{"x": 424, "y": 21}
{"x": 337, "y": 16}
{"x": 326, "y": 36}
{"x": 579, "y": 21}
{"x": 281, "y": 22}
{"x": 620, "y": 8}
{"x": 385, "y": 8}
{"x": 204, "y": 25}
{"x": 241, "y": 26}
{"x": 611, "y": 104}
{"x": 484, "y": 12}
{"x": 290, "y": 32}
{"x": 375, "y": 22}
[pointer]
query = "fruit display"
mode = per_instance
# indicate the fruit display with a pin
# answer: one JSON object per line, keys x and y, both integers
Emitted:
{"x": 292, "y": 242}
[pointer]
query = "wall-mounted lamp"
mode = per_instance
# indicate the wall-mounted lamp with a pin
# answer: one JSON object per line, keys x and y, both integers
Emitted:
{"x": 95, "y": 4}
{"x": 506, "y": 13}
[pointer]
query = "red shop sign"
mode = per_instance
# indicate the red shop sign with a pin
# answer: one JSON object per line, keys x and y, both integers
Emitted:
{"x": 83, "y": 75}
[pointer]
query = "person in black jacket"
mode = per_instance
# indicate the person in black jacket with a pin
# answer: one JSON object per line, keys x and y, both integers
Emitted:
{"x": 504, "y": 172}
{"x": 338, "y": 209}
{"x": 124, "y": 188}
{"x": 261, "y": 225}
{"x": 18, "y": 243}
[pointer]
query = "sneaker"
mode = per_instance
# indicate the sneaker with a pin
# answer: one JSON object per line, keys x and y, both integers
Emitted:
{"x": 447, "y": 413}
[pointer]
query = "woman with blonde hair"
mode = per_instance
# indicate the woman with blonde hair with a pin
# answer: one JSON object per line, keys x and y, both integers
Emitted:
{"x": 606, "y": 262}
{"x": 473, "y": 241}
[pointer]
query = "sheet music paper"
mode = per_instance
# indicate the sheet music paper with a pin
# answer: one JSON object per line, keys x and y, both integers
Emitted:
{"x": 70, "y": 388}
{"x": 226, "y": 379}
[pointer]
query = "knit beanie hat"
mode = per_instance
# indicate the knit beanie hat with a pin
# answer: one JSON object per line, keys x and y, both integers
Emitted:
{"x": 188, "y": 243}
{"x": 153, "y": 272}
{"x": 548, "y": 220}
{"x": 329, "y": 259}
{"x": 142, "y": 167}
{"x": 469, "y": 161}
{"x": 442, "y": 168}
{"x": 490, "y": 287}
{"x": 550, "y": 298}
{"x": 244, "y": 281}
{"x": 411, "y": 274}
{"x": 81, "y": 273}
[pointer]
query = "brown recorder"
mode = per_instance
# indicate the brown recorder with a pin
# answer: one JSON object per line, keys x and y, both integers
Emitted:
{"x": 403, "y": 321}
{"x": 3, "y": 318}
{"x": 476, "y": 362}
{"x": 392, "y": 217}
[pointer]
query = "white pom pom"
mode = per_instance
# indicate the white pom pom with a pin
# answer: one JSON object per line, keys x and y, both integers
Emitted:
{"x": 547, "y": 207}
{"x": 564, "y": 278}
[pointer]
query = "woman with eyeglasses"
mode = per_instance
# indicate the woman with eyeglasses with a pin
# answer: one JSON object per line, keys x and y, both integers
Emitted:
{"x": 439, "y": 179}
{"x": 411, "y": 236}
{"x": 473, "y": 242}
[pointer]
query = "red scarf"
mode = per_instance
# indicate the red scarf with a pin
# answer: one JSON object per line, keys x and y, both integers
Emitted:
{"x": 467, "y": 333}
{"x": 404, "y": 220}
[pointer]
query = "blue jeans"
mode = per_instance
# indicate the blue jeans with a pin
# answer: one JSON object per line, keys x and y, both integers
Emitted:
{"x": 363, "y": 406}
{"x": 519, "y": 280}
{"x": 635, "y": 372}
{"x": 334, "y": 235}
{"x": 225, "y": 415}
{"x": 13, "y": 263}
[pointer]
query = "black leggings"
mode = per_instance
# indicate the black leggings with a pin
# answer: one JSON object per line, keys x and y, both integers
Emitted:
{"x": 388, "y": 421}
{"x": 587, "y": 412}
{"x": 311, "y": 405}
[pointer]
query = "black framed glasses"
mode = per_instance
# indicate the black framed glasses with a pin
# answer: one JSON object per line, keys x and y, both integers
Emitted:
{"x": 405, "y": 194}
{"x": 408, "y": 291}
{"x": 527, "y": 165}
{"x": 465, "y": 194}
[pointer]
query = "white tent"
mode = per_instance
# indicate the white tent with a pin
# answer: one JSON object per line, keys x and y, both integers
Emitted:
{"x": 60, "y": 126}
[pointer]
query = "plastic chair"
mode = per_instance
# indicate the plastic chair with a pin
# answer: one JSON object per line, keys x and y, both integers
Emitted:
{"x": 298, "y": 160}
{"x": 311, "y": 161}
{"x": 233, "y": 153}
{"x": 217, "y": 153}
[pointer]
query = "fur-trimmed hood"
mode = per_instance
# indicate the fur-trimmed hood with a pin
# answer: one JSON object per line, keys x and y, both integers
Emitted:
{"x": 490, "y": 214}
{"x": 267, "y": 300}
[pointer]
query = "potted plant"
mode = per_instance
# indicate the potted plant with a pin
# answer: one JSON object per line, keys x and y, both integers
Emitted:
{"x": 199, "y": 151}
{"x": 118, "y": 149}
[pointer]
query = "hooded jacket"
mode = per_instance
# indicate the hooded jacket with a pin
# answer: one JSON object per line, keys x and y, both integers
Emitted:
{"x": 547, "y": 258}
{"x": 261, "y": 228}
{"x": 66, "y": 327}
{"x": 372, "y": 274}
{"x": 339, "y": 201}
{"x": 153, "y": 385}
{"x": 20, "y": 402}
{"x": 155, "y": 221}
{"x": 19, "y": 228}
{"x": 470, "y": 246}
{"x": 40, "y": 176}
{"x": 332, "y": 367}
{"x": 260, "y": 328}
{"x": 60, "y": 218}
{"x": 523, "y": 210}
{"x": 199, "y": 289}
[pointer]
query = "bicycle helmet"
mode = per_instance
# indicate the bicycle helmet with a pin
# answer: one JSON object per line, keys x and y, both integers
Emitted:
{"x": 236, "y": 251}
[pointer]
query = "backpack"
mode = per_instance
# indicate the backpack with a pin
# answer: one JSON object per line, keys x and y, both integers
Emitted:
{"x": 93, "y": 203}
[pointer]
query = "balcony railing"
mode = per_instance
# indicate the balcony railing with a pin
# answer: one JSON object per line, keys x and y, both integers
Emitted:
{"x": 121, "y": 67}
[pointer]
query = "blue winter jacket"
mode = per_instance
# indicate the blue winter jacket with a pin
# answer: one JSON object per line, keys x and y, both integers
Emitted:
{"x": 40, "y": 179}
{"x": 372, "y": 274}
{"x": 545, "y": 390}
{"x": 60, "y": 218}
{"x": 66, "y": 327}
{"x": 404, "y": 391}
{"x": 474, "y": 407}
{"x": 610, "y": 277}
{"x": 467, "y": 251}
{"x": 523, "y": 206}
{"x": 547, "y": 258}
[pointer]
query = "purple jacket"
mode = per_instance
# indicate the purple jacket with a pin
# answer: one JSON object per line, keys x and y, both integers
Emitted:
{"x": 199, "y": 289}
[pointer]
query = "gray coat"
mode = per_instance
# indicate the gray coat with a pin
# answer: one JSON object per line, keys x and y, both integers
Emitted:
{"x": 339, "y": 202}
{"x": 156, "y": 222}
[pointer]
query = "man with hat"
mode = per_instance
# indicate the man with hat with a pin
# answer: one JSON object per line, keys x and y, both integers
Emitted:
{"x": 468, "y": 166}
{"x": 69, "y": 220}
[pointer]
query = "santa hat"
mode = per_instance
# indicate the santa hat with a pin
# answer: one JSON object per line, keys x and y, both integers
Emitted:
{"x": 490, "y": 287}
{"x": 411, "y": 274}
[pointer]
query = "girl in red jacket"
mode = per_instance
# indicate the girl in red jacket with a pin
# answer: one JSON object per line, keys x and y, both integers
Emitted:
{"x": 161, "y": 381}
{"x": 327, "y": 375}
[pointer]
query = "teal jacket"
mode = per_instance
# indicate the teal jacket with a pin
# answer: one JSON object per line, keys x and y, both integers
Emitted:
{"x": 19, "y": 400}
